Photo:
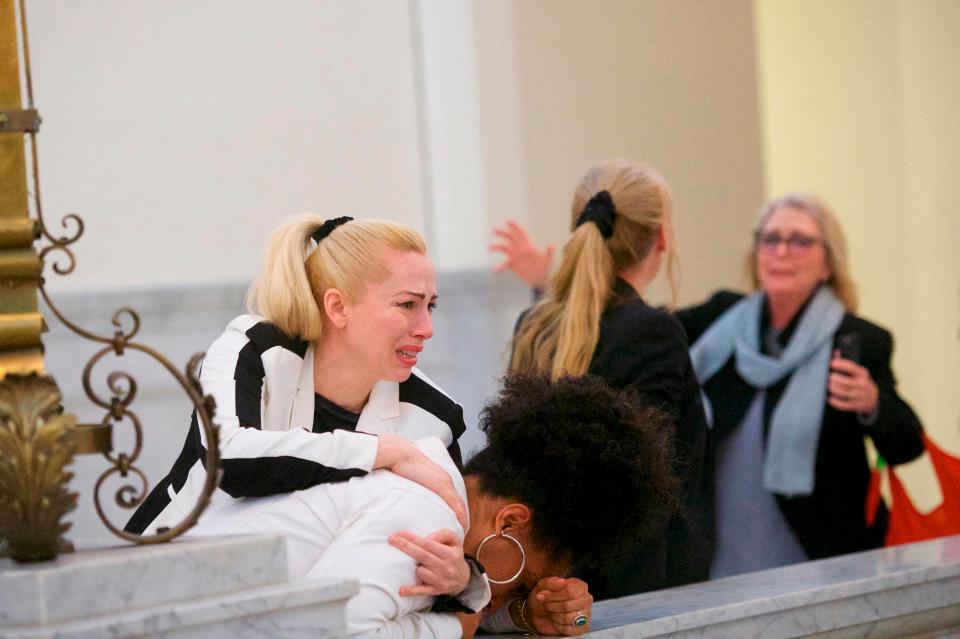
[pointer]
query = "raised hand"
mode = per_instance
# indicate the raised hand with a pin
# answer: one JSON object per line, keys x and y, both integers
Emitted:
{"x": 522, "y": 256}
{"x": 851, "y": 388}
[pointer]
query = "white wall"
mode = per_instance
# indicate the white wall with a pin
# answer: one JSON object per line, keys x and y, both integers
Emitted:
{"x": 183, "y": 130}
{"x": 451, "y": 163}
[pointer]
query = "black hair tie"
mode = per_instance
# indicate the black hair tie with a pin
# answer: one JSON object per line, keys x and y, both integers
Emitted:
{"x": 327, "y": 227}
{"x": 601, "y": 211}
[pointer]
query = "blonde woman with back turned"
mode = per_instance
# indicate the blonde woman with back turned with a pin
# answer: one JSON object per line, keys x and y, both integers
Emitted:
{"x": 319, "y": 384}
{"x": 593, "y": 320}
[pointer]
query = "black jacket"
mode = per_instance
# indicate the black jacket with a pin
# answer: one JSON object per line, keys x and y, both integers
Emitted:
{"x": 646, "y": 349}
{"x": 831, "y": 521}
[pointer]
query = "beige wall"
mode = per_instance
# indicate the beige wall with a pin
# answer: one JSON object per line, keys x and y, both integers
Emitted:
{"x": 929, "y": 45}
{"x": 670, "y": 82}
{"x": 859, "y": 103}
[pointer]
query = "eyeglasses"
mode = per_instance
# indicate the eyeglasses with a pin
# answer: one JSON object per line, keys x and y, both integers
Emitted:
{"x": 796, "y": 242}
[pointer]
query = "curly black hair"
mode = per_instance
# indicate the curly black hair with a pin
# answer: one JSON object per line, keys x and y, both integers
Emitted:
{"x": 593, "y": 464}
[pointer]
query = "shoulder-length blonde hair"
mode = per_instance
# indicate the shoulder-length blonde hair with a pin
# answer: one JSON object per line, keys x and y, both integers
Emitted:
{"x": 559, "y": 335}
{"x": 297, "y": 272}
{"x": 834, "y": 243}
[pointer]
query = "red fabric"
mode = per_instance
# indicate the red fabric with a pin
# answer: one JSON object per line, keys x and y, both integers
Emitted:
{"x": 873, "y": 495}
{"x": 906, "y": 524}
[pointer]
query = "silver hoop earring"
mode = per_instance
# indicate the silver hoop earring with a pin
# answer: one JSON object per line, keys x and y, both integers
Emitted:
{"x": 523, "y": 556}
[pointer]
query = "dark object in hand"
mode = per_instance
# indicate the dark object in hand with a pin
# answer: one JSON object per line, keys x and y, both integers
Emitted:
{"x": 849, "y": 346}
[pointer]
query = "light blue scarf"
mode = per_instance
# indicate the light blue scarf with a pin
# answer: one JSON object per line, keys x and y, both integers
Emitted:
{"x": 791, "y": 451}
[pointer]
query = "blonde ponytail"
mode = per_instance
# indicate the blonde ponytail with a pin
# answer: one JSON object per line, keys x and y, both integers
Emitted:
{"x": 558, "y": 336}
{"x": 281, "y": 293}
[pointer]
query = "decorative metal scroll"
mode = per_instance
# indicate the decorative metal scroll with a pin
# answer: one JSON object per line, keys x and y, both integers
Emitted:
{"x": 121, "y": 385}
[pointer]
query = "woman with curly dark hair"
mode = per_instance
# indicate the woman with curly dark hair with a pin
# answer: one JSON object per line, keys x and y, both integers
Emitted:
{"x": 528, "y": 521}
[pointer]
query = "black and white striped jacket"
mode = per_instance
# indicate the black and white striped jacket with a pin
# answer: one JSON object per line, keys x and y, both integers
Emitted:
{"x": 262, "y": 381}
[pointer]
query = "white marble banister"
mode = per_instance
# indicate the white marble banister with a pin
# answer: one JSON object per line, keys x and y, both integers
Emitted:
{"x": 237, "y": 588}
{"x": 215, "y": 588}
{"x": 903, "y": 591}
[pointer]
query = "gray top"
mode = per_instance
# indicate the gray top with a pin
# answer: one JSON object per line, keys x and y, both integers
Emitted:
{"x": 752, "y": 533}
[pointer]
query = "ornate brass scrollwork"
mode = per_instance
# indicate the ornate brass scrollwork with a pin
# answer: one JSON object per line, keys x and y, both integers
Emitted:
{"x": 37, "y": 440}
{"x": 123, "y": 389}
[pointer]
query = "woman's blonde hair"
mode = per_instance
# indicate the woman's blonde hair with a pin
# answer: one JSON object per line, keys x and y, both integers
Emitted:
{"x": 559, "y": 335}
{"x": 834, "y": 243}
{"x": 297, "y": 272}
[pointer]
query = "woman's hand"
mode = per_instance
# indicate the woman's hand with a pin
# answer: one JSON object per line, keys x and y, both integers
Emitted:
{"x": 402, "y": 457}
{"x": 851, "y": 388}
{"x": 469, "y": 623}
{"x": 554, "y": 604}
{"x": 441, "y": 568}
{"x": 522, "y": 256}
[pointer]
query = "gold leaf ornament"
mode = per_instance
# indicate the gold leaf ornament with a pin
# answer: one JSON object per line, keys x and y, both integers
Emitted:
{"x": 35, "y": 448}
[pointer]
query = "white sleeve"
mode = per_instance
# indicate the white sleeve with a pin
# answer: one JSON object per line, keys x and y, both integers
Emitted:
{"x": 361, "y": 551}
{"x": 256, "y": 460}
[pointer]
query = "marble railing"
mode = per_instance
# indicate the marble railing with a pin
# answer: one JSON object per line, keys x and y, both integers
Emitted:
{"x": 224, "y": 588}
{"x": 238, "y": 588}
{"x": 899, "y": 592}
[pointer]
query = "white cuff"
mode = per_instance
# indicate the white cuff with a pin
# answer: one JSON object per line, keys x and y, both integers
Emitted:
{"x": 499, "y": 621}
{"x": 477, "y": 593}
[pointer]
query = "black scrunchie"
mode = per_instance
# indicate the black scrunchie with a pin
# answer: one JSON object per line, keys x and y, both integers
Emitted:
{"x": 327, "y": 227}
{"x": 601, "y": 211}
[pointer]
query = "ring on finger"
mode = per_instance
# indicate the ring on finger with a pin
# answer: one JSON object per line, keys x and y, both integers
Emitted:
{"x": 580, "y": 619}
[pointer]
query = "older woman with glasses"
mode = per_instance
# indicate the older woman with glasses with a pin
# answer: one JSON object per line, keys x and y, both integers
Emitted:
{"x": 794, "y": 380}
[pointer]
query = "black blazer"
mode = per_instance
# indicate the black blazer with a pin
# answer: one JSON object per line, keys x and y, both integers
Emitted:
{"x": 646, "y": 349}
{"x": 831, "y": 521}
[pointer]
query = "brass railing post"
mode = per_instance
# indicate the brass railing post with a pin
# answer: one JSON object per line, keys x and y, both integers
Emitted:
{"x": 20, "y": 320}
{"x": 35, "y": 435}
